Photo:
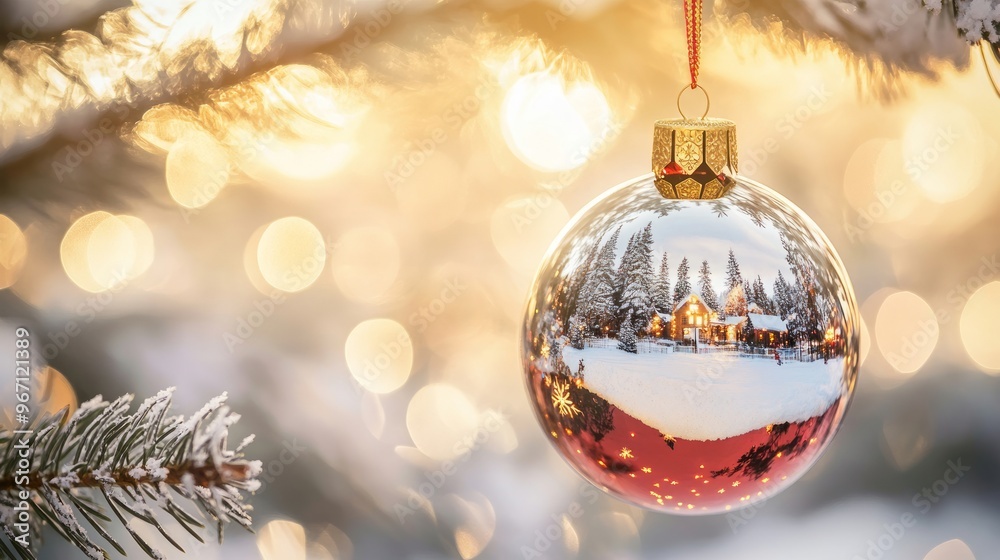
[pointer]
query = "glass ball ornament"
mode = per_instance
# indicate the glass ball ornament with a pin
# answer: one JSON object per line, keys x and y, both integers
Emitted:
{"x": 691, "y": 341}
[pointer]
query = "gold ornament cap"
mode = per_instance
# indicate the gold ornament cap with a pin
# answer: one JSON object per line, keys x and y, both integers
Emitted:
{"x": 694, "y": 158}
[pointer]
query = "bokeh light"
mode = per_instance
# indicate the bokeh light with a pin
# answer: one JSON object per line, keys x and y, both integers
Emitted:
{"x": 978, "y": 327}
{"x": 477, "y": 526}
{"x": 906, "y": 331}
{"x": 865, "y": 343}
{"x": 291, "y": 254}
{"x": 955, "y": 549}
{"x": 441, "y": 419}
{"x": 101, "y": 251}
{"x": 282, "y": 540}
{"x": 944, "y": 151}
{"x": 197, "y": 169}
{"x": 379, "y": 355}
{"x": 317, "y": 137}
{"x": 54, "y": 392}
{"x": 13, "y": 252}
{"x": 552, "y": 125}
{"x": 877, "y": 185}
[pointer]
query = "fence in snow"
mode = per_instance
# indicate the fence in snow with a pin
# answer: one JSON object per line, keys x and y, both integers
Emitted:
{"x": 659, "y": 346}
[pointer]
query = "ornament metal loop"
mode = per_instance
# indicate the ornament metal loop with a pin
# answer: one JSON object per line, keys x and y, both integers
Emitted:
{"x": 708, "y": 101}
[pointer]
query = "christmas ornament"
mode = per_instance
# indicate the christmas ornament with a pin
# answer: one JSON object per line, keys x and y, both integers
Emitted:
{"x": 691, "y": 340}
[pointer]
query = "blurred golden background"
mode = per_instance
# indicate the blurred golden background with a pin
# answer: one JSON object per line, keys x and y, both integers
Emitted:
{"x": 334, "y": 210}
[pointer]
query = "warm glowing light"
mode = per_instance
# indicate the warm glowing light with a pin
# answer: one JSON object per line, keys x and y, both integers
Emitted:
{"x": 379, "y": 355}
{"x": 13, "y": 252}
{"x": 906, "y": 331}
{"x": 552, "y": 125}
{"x": 103, "y": 252}
{"x": 54, "y": 392}
{"x": 197, "y": 169}
{"x": 955, "y": 549}
{"x": 877, "y": 185}
{"x": 365, "y": 263}
{"x": 322, "y": 110}
{"x": 571, "y": 540}
{"x": 477, "y": 527}
{"x": 978, "y": 327}
{"x": 291, "y": 254}
{"x": 945, "y": 151}
{"x": 282, "y": 540}
{"x": 438, "y": 416}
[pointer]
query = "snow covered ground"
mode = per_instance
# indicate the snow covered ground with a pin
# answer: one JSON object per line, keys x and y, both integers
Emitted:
{"x": 708, "y": 396}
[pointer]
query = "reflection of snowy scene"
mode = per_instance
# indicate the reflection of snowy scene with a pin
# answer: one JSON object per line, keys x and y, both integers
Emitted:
{"x": 676, "y": 308}
{"x": 639, "y": 296}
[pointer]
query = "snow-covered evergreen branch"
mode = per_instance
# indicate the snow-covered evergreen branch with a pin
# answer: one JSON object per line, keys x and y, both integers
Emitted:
{"x": 140, "y": 464}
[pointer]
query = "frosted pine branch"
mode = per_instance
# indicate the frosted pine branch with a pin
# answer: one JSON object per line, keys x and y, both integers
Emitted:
{"x": 975, "y": 19}
{"x": 106, "y": 465}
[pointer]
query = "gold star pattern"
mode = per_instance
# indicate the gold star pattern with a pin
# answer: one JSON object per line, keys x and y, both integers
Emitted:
{"x": 626, "y": 453}
{"x": 647, "y": 470}
{"x": 561, "y": 400}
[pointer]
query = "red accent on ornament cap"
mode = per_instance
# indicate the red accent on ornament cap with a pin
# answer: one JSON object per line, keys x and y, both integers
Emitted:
{"x": 673, "y": 169}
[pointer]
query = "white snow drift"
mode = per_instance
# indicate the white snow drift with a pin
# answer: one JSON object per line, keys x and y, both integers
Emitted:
{"x": 708, "y": 396}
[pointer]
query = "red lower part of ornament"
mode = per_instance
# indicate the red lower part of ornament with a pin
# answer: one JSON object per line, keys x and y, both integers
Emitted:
{"x": 638, "y": 463}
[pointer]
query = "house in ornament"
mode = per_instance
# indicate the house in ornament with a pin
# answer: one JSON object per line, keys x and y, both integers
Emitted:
{"x": 659, "y": 324}
{"x": 692, "y": 319}
{"x": 728, "y": 329}
{"x": 765, "y": 330}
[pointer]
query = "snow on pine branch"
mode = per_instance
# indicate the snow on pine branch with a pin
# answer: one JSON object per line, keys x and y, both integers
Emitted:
{"x": 976, "y": 19}
{"x": 143, "y": 465}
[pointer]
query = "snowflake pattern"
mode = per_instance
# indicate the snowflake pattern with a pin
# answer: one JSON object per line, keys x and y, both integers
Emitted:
{"x": 561, "y": 400}
{"x": 626, "y": 453}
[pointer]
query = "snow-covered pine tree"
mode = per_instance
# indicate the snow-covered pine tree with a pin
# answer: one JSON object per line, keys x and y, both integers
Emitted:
{"x": 782, "y": 297}
{"x": 627, "y": 338}
{"x": 733, "y": 276}
{"x": 636, "y": 279}
{"x": 748, "y": 293}
{"x": 761, "y": 298}
{"x": 579, "y": 279}
{"x": 596, "y": 304}
{"x": 812, "y": 305}
{"x": 736, "y": 302}
{"x": 798, "y": 318}
{"x": 809, "y": 304}
{"x": 705, "y": 286}
{"x": 748, "y": 334}
{"x": 662, "y": 298}
{"x": 621, "y": 277}
{"x": 683, "y": 286}
{"x": 141, "y": 465}
{"x": 577, "y": 332}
